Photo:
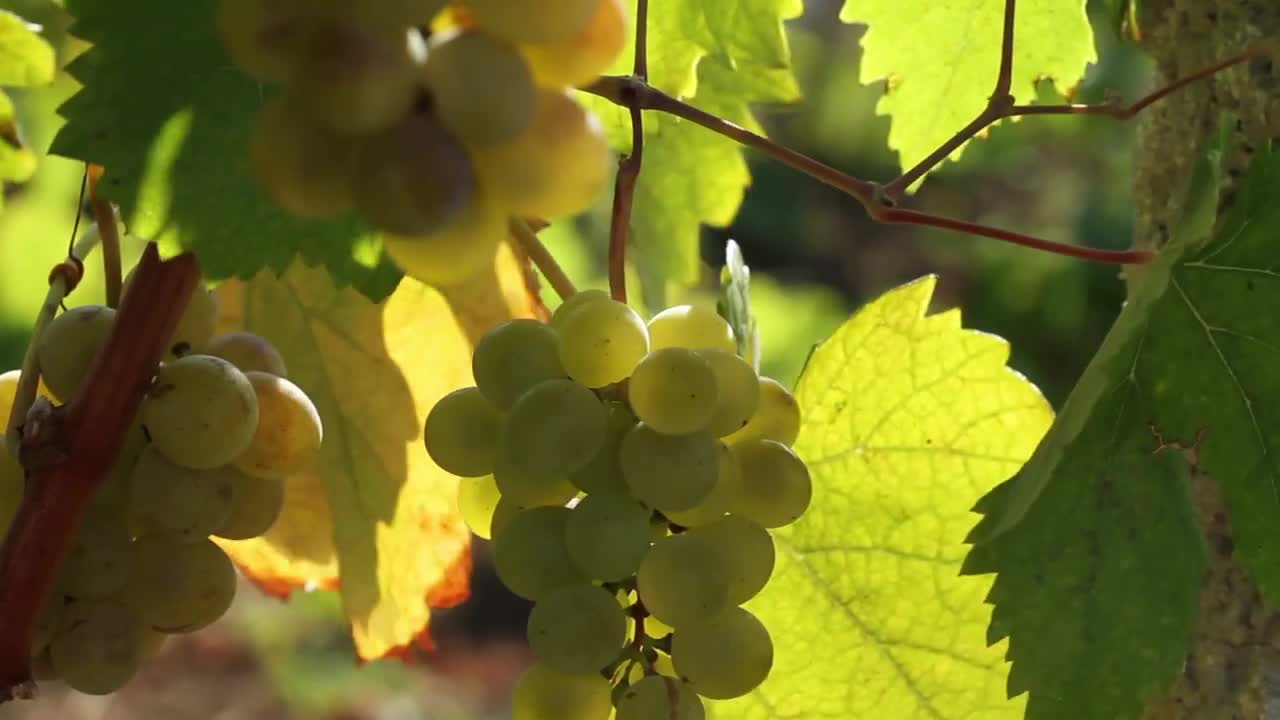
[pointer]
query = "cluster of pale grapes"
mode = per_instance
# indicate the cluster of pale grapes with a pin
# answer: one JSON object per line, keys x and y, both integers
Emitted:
{"x": 628, "y": 476}
{"x": 219, "y": 431}
{"x": 435, "y": 121}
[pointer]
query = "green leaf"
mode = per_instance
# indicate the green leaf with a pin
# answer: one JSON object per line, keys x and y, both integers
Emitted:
{"x": 25, "y": 58}
{"x": 908, "y": 418}
{"x": 1189, "y": 364}
{"x": 940, "y": 60}
{"x": 735, "y": 303}
{"x": 169, "y": 116}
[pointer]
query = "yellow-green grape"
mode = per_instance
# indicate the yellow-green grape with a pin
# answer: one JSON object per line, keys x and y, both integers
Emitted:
{"x": 747, "y": 554}
{"x": 673, "y": 391}
{"x": 722, "y": 498}
{"x": 264, "y": 38}
{"x": 201, "y": 412}
{"x": 97, "y": 565}
{"x": 289, "y": 430}
{"x": 577, "y": 629}
{"x": 725, "y": 658}
{"x": 115, "y": 491}
{"x": 248, "y": 351}
{"x": 196, "y": 327}
{"x": 514, "y": 357}
{"x": 67, "y": 347}
{"x": 503, "y": 512}
{"x": 305, "y": 168}
{"x": 477, "y": 502}
{"x": 604, "y": 473}
{"x": 657, "y": 697}
{"x": 97, "y": 646}
{"x": 776, "y": 487}
{"x": 256, "y": 503}
{"x": 557, "y": 167}
{"x": 178, "y": 587}
{"x": 481, "y": 87}
{"x": 12, "y": 476}
{"x": 530, "y": 553}
{"x": 414, "y": 178}
{"x": 739, "y": 391}
{"x": 691, "y": 326}
{"x": 669, "y": 472}
{"x": 188, "y": 503}
{"x": 462, "y": 432}
{"x": 551, "y": 431}
{"x": 48, "y": 621}
{"x": 523, "y": 22}
{"x": 456, "y": 252}
{"x": 607, "y": 536}
{"x": 601, "y": 342}
{"x": 544, "y": 694}
{"x": 682, "y": 582}
{"x": 777, "y": 416}
{"x": 577, "y": 60}
{"x": 574, "y": 302}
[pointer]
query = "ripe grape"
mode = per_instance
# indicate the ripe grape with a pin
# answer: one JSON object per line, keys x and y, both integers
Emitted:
{"x": 195, "y": 327}
{"x": 747, "y": 554}
{"x": 601, "y": 341}
{"x": 669, "y": 472}
{"x": 658, "y": 697}
{"x": 607, "y": 536}
{"x": 682, "y": 581}
{"x": 578, "y": 60}
{"x": 189, "y": 503}
{"x": 551, "y": 431}
{"x": 178, "y": 587}
{"x": 575, "y": 301}
{"x": 201, "y": 412}
{"x": 673, "y": 391}
{"x": 577, "y": 629}
{"x": 739, "y": 391}
{"x": 530, "y": 553}
{"x": 97, "y": 646}
{"x": 725, "y": 658}
{"x": 523, "y": 22}
{"x": 776, "y": 488}
{"x": 97, "y": 565}
{"x": 480, "y": 85}
{"x": 691, "y": 326}
{"x": 604, "y": 472}
{"x": 456, "y": 252}
{"x": 256, "y": 503}
{"x": 477, "y": 502}
{"x": 67, "y": 347}
{"x": 461, "y": 433}
{"x": 557, "y": 167}
{"x": 722, "y": 498}
{"x": 544, "y": 694}
{"x": 514, "y": 357}
{"x": 289, "y": 430}
{"x": 305, "y": 168}
{"x": 777, "y": 416}
{"x": 248, "y": 351}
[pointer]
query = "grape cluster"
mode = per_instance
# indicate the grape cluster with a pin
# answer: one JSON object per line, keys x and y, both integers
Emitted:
{"x": 435, "y": 122}
{"x": 207, "y": 457}
{"x": 628, "y": 475}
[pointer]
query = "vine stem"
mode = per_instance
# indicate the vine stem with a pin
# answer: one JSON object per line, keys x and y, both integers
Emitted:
{"x": 624, "y": 186}
{"x": 68, "y": 451}
{"x": 105, "y": 217}
{"x": 542, "y": 258}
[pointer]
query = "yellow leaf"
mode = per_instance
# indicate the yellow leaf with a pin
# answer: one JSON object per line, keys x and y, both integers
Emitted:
{"x": 376, "y": 518}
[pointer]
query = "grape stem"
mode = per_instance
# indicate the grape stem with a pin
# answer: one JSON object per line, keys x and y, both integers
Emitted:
{"x": 68, "y": 451}
{"x": 624, "y": 187}
{"x": 542, "y": 258}
{"x": 105, "y": 217}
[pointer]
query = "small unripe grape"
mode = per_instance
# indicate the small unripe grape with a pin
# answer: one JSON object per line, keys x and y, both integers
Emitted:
{"x": 248, "y": 351}
{"x": 530, "y": 553}
{"x": 691, "y": 326}
{"x": 776, "y": 487}
{"x": 478, "y": 500}
{"x": 97, "y": 646}
{"x": 651, "y": 699}
{"x": 305, "y": 168}
{"x": 462, "y": 433}
{"x": 481, "y": 86}
{"x": 514, "y": 357}
{"x": 669, "y": 472}
{"x": 289, "y": 430}
{"x": 577, "y": 629}
{"x": 722, "y": 498}
{"x": 178, "y": 587}
{"x": 68, "y": 345}
{"x": 201, "y": 412}
{"x": 544, "y": 694}
{"x": 683, "y": 582}
{"x": 725, "y": 658}
{"x": 777, "y": 416}
{"x": 576, "y": 61}
{"x": 601, "y": 342}
{"x": 575, "y": 301}
{"x": 457, "y": 252}
{"x": 739, "y": 391}
{"x": 673, "y": 391}
{"x": 256, "y": 503}
{"x": 188, "y": 503}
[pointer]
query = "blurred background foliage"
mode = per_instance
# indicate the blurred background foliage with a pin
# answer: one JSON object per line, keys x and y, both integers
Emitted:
{"x": 815, "y": 258}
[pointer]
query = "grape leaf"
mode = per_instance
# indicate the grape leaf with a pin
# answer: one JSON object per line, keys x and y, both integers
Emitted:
{"x": 169, "y": 116}
{"x": 374, "y": 370}
{"x": 1190, "y": 362}
{"x": 908, "y": 418}
{"x": 26, "y": 59}
{"x": 940, "y": 60}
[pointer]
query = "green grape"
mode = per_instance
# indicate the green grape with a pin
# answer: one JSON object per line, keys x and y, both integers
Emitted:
{"x": 48, "y": 621}
{"x": 97, "y": 646}
{"x": 178, "y": 587}
{"x": 725, "y": 658}
{"x": 669, "y": 472}
{"x": 691, "y": 326}
{"x": 777, "y": 416}
{"x": 200, "y": 412}
{"x": 577, "y": 60}
{"x": 503, "y": 512}
{"x": 607, "y": 536}
{"x": 530, "y": 553}
{"x": 575, "y": 301}
{"x": 195, "y": 327}
{"x": 456, "y": 252}
{"x": 289, "y": 431}
{"x": 264, "y": 37}
{"x": 191, "y": 504}
{"x": 577, "y": 629}
{"x": 604, "y": 473}
{"x": 98, "y": 563}
{"x": 739, "y": 391}
{"x": 514, "y": 357}
{"x": 68, "y": 345}
{"x": 682, "y": 581}
{"x": 256, "y": 503}
{"x": 776, "y": 487}
{"x": 522, "y": 22}
{"x": 551, "y": 431}
{"x": 658, "y": 697}
{"x": 722, "y": 498}
{"x": 544, "y": 694}
{"x": 481, "y": 87}
{"x": 601, "y": 342}
{"x": 478, "y": 500}
{"x": 414, "y": 178}
{"x": 746, "y": 551}
{"x": 559, "y": 165}
{"x": 249, "y": 352}
{"x": 673, "y": 391}
{"x": 305, "y": 168}
{"x": 462, "y": 432}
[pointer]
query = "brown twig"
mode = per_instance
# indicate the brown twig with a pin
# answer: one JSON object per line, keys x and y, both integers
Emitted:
{"x": 542, "y": 258}
{"x": 624, "y": 186}
{"x": 105, "y": 217}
